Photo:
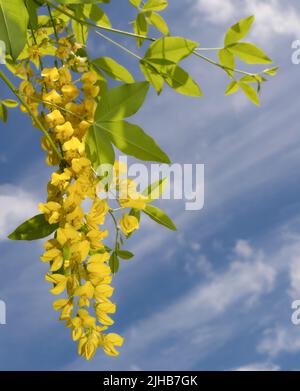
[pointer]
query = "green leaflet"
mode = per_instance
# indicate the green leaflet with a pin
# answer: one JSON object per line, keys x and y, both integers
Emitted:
{"x": 32, "y": 7}
{"x": 156, "y": 189}
{"x": 121, "y": 102}
{"x": 140, "y": 27}
{"x": 35, "y": 228}
{"x": 113, "y": 69}
{"x": 135, "y": 3}
{"x": 173, "y": 49}
{"x": 239, "y": 30}
{"x": 114, "y": 263}
{"x": 153, "y": 76}
{"x": 133, "y": 141}
{"x": 115, "y": 105}
{"x": 97, "y": 15}
{"x": 232, "y": 88}
{"x": 226, "y": 59}
{"x": 155, "y": 5}
{"x": 249, "y": 53}
{"x": 3, "y": 113}
{"x": 99, "y": 148}
{"x": 11, "y": 103}
{"x": 13, "y": 25}
{"x": 159, "y": 217}
{"x": 271, "y": 71}
{"x": 123, "y": 254}
{"x": 178, "y": 79}
{"x": 158, "y": 22}
{"x": 250, "y": 93}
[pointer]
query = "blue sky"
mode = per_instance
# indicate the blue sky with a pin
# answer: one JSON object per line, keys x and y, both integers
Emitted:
{"x": 217, "y": 294}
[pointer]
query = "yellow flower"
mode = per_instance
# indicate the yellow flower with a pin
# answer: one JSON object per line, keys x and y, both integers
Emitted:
{"x": 60, "y": 282}
{"x": 104, "y": 308}
{"x": 90, "y": 90}
{"x": 128, "y": 223}
{"x": 52, "y": 97}
{"x": 55, "y": 256}
{"x": 95, "y": 237}
{"x": 73, "y": 148}
{"x": 80, "y": 165}
{"x": 52, "y": 211}
{"x": 26, "y": 88}
{"x": 70, "y": 91}
{"x": 64, "y": 132}
{"x": 109, "y": 341}
{"x": 90, "y": 77}
{"x": 97, "y": 213}
{"x": 64, "y": 76}
{"x": 61, "y": 180}
{"x": 50, "y": 75}
{"x": 55, "y": 118}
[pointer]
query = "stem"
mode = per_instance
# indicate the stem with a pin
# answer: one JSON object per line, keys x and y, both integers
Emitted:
{"x": 209, "y": 60}
{"x": 34, "y": 118}
{"x": 127, "y": 33}
{"x": 116, "y": 226}
{"x": 118, "y": 44}
{"x": 207, "y": 49}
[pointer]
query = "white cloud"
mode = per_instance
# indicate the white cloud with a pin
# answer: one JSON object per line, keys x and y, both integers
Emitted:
{"x": 243, "y": 249}
{"x": 255, "y": 367}
{"x": 280, "y": 339}
{"x": 16, "y": 205}
{"x": 273, "y": 17}
{"x": 198, "y": 321}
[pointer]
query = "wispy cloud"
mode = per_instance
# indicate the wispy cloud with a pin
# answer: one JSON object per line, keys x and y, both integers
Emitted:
{"x": 16, "y": 205}
{"x": 273, "y": 17}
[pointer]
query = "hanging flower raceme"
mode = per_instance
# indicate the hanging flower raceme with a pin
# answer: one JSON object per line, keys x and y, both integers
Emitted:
{"x": 84, "y": 122}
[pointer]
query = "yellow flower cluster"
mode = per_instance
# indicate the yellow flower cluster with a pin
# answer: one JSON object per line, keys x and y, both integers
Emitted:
{"x": 78, "y": 259}
{"x": 77, "y": 255}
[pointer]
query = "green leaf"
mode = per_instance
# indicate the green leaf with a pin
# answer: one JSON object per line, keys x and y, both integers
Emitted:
{"x": 114, "y": 263}
{"x": 113, "y": 69}
{"x": 135, "y": 3}
{"x": 121, "y": 102}
{"x": 80, "y": 30}
{"x": 99, "y": 149}
{"x": 133, "y": 141}
{"x": 156, "y": 189}
{"x": 35, "y": 228}
{"x": 226, "y": 59}
{"x": 159, "y": 217}
{"x": 271, "y": 71}
{"x": 13, "y": 25}
{"x": 158, "y": 21}
{"x": 153, "y": 76}
{"x": 3, "y": 113}
{"x": 97, "y": 15}
{"x": 232, "y": 88}
{"x": 136, "y": 213}
{"x": 239, "y": 30}
{"x": 125, "y": 254}
{"x": 32, "y": 7}
{"x": 249, "y": 53}
{"x": 178, "y": 79}
{"x": 140, "y": 27}
{"x": 155, "y": 5}
{"x": 173, "y": 49}
{"x": 11, "y": 103}
{"x": 250, "y": 93}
